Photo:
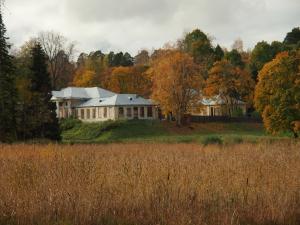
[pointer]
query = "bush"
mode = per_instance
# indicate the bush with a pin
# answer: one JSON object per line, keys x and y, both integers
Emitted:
{"x": 69, "y": 123}
{"x": 255, "y": 114}
{"x": 237, "y": 113}
{"x": 212, "y": 140}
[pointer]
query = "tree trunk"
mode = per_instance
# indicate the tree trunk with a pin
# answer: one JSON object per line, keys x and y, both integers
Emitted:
{"x": 178, "y": 120}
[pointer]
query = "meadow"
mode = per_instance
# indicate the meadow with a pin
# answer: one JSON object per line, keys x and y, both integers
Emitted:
{"x": 164, "y": 132}
{"x": 148, "y": 184}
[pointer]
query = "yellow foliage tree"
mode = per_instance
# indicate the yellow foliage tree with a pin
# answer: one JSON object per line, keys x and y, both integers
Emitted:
{"x": 85, "y": 78}
{"x": 176, "y": 81}
{"x": 277, "y": 94}
{"x": 129, "y": 80}
{"x": 232, "y": 84}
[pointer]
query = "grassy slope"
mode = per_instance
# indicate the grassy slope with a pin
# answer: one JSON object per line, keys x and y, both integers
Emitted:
{"x": 155, "y": 131}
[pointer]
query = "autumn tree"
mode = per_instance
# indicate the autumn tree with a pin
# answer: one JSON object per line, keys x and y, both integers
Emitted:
{"x": 129, "y": 80}
{"x": 293, "y": 37}
{"x": 85, "y": 78}
{"x": 176, "y": 82}
{"x": 262, "y": 53}
{"x": 90, "y": 69}
{"x": 277, "y": 94}
{"x": 235, "y": 58}
{"x": 199, "y": 46}
{"x": 231, "y": 83}
{"x": 122, "y": 80}
{"x": 142, "y": 58}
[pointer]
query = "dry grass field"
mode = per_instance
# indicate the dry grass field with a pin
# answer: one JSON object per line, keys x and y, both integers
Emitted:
{"x": 157, "y": 184}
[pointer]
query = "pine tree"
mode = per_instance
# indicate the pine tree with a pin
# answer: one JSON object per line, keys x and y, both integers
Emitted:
{"x": 7, "y": 89}
{"x": 219, "y": 53}
{"x": 44, "y": 109}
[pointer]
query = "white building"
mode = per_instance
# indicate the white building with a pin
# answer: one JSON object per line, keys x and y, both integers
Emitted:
{"x": 216, "y": 106}
{"x": 97, "y": 104}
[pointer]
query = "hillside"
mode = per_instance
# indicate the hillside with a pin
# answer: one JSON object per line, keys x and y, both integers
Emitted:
{"x": 155, "y": 131}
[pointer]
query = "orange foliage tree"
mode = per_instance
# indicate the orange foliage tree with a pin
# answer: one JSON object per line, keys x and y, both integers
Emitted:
{"x": 176, "y": 81}
{"x": 129, "y": 80}
{"x": 85, "y": 78}
{"x": 232, "y": 84}
{"x": 90, "y": 70}
{"x": 277, "y": 94}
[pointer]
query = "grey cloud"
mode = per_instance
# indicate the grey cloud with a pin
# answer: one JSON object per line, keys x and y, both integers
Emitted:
{"x": 130, "y": 25}
{"x": 104, "y": 10}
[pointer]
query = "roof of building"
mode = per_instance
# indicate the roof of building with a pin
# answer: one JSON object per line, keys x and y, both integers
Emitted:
{"x": 99, "y": 97}
{"x": 117, "y": 100}
{"x": 216, "y": 100}
{"x": 81, "y": 93}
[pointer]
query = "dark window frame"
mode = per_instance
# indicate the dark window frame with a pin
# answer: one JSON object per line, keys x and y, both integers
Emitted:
{"x": 150, "y": 112}
{"x": 129, "y": 112}
{"x": 142, "y": 112}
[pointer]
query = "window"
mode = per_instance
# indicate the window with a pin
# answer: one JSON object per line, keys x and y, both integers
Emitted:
{"x": 94, "y": 113}
{"x": 149, "y": 112}
{"x": 128, "y": 112}
{"x": 142, "y": 112}
{"x": 121, "y": 112}
{"x": 82, "y": 113}
{"x": 104, "y": 112}
{"x": 88, "y": 113}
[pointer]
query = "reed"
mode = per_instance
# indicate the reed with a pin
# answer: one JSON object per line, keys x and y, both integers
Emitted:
{"x": 143, "y": 184}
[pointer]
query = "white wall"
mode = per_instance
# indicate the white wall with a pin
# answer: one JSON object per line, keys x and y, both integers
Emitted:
{"x": 94, "y": 114}
{"x": 112, "y": 113}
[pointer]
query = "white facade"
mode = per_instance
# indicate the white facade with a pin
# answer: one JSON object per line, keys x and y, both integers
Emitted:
{"x": 97, "y": 104}
{"x": 215, "y": 106}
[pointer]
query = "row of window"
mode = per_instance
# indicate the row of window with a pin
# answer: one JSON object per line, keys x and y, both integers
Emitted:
{"x": 137, "y": 112}
{"x": 91, "y": 113}
{"x": 134, "y": 112}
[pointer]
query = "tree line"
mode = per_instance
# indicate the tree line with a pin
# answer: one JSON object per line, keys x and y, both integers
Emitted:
{"x": 176, "y": 76}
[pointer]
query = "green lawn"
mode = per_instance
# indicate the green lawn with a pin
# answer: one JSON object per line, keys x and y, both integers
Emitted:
{"x": 156, "y": 131}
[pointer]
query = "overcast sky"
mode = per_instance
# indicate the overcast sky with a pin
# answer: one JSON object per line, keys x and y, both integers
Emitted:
{"x": 131, "y": 25}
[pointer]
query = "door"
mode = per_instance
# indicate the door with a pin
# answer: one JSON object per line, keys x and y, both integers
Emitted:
{"x": 211, "y": 111}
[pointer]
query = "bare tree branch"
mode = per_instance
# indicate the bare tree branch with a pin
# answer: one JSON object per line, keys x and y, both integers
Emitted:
{"x": 58, "y": 51}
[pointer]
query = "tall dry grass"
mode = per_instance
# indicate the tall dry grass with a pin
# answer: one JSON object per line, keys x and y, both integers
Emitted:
{"x": 150, "y": 184}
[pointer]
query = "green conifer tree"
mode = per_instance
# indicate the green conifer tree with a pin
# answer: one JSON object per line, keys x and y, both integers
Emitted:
{"x": 46, "y": 122}
{"x": 7, "y": 89}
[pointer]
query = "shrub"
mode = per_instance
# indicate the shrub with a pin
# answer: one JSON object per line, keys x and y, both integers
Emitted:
{"x": 69, "y": 123}
{"x": 212, "y": 140}
{"x": 255, "y": 114}
{"x": 238, "y": 112}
